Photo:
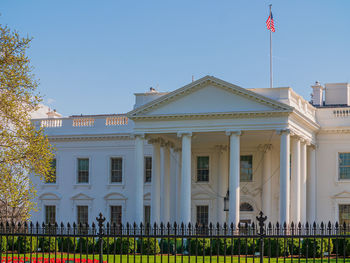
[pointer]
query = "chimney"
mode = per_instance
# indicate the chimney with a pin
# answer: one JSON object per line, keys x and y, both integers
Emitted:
{"x": 317, "y": 94}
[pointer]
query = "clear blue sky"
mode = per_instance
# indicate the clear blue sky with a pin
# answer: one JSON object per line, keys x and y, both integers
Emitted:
{"x": 91, "y": 56}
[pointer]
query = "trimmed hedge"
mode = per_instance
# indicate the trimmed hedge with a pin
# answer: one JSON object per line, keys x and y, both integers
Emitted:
{"x": 199, "y": 246}
{"x": 124, "y": 246}
{"x": 86, "y": 244}
{"x": 3, "y": 244}
{"x": 26, "y": 244}
{"x": 168, "y": 245}
{"x": 48, "y": 244}
{"x": 66, "y": 244}
{"x": 150, "y": 246}
{"x": 314, "y": 247}
{"x": 218, "y": 246}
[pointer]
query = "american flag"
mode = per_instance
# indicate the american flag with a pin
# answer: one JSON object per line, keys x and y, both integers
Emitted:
{"x": 270, "y": 24}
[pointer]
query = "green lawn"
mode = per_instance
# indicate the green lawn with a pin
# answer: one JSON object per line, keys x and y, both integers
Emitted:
{"x": 163, "y": 258}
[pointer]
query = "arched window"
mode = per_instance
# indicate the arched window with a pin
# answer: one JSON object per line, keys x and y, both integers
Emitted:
{"x": 246, "y": 207}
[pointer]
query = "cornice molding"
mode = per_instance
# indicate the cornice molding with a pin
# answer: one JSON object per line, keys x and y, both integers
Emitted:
{"x": 334, "y": 131}
{"x": 214, "y": 115}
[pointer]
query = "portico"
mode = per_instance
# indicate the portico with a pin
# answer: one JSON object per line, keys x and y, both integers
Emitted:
{"x": 187, "y": 121}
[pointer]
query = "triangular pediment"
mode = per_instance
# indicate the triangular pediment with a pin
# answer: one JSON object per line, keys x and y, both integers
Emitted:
{"x": 209, "y": 95}
{"x": 81, "y": 196}
{"x": 344, "y": 194}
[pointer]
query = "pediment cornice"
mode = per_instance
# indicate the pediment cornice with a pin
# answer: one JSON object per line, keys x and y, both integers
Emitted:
{"x": 205, "y": 81}
{"x": 214, "y": 115}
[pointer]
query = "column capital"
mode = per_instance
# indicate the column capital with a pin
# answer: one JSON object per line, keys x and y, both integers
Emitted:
{"x": 283, "y": 131}
{"x": 184, "y": 133}
{"x": 154, "y": 141}
{"x": 221, "y": 148}
{"x": 233, "y": 132}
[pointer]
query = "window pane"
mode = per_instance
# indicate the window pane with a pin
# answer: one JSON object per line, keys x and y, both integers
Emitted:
{"x": 52, "y": 179}
{"x": 50, "y": 214}
{"x": 344, "y": 214}
{"x": 116, "y": 215}
{"x": 83, "y": 215}
{"x": 246, "y": 168}
{"x": 148, "y": 169}
{"x": 344, "y": 165}
{"x": 203, "y": 168}
{"x": 202, "y": 215}
{"x": 83, "y": 170}
{"x": 116, "y": 170}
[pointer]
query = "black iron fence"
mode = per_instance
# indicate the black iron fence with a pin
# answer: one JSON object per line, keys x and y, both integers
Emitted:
{"x": 104, "y": 242}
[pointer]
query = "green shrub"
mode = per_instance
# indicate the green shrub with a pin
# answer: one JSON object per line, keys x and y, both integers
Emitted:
{"x": 11, "y": 242}
{"x": 244, "y": 246}
{"x": 218, "y": 246}
{"x": 26, "y": 244}
{"x": 3, "y": 244}
{"x": 86, "y": 245}
{"x": 168, "y": 245}
{"x": 149, "y": 246}
{"x": 107, "y": 245}
{"x": 275, "y": 247}
{"x": 293, "y": 246}
{"x": 343, "y": 243}
{"x": 124, "y": 246}
{"x": 199, "y": 246}
{"x": 314, "y": 247}
{"x": 66, "y": 244}
{"x": 48, "y": 244}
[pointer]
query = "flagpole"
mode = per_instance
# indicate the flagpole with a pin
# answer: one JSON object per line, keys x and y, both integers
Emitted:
{"x": 270, "y": 52}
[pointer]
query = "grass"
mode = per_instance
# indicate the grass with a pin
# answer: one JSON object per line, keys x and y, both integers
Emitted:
{"x": 156, "y": 259}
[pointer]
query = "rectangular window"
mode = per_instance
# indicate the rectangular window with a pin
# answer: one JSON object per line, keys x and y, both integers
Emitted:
{"x": 344, "y": 214}
{"x": 147, "y": 215}
{"x": 83, "y": 170}
{"x": 203, "y": 169}
{"x": 202, "y": 215}
{"x": 82, "y": 214}
{"x": 116, "y": 215}
{"x": 50, "y": 214}
{"x": 148, "y": 169}
{"x": 52, "y": 179}
{"x": 246, "y": 168}
{"x": 116, "y": 170}
{"x": 344, "y": 166}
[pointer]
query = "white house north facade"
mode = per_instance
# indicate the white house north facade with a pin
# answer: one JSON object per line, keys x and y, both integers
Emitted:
{"x": 177, "y": 155}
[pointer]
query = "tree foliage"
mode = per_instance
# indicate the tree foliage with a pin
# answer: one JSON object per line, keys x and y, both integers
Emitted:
{"x": 23, "y": 148}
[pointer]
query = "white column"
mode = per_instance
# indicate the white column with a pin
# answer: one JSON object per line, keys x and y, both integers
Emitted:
{"x": 155, "y": 195}
{"x": 311, "y": 193}
{"x": 266, "y": 182}
{"x": 284, "y": 176}
{"x": 178, "y": 185}
{"x": 234, "y": 175}
{"x": 295, "y": 181}
{"x": 173, "y": 186}
{"x": 137, "y": 207}
{"x": 222, "y": 182}
{"x": 165, "y": 197}
{"x": 186, "y": 178}
{"x": 303, "y": 177}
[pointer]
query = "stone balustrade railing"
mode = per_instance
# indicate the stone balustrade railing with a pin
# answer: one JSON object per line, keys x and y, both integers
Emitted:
{"x": 75, "y": 123}
{"x": 341, "y": 113}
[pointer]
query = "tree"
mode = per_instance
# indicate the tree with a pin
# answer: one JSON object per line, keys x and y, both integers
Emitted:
{"x": 23, "y": 149}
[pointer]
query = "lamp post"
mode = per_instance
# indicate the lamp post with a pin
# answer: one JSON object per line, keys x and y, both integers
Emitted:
{"x": 227, "y": 201}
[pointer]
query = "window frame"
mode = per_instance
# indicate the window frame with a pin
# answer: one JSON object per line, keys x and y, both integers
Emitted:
{"x": 144, "y": 213}
{"x": 338, "y": 211}
{"x": 46, "y": 216}
{"x": 252, "y": 156}
{"x": 110, "y": 170}
{"x": 145, "y": 169}
{"x": 77, "y": 213}
{"x": 338, "y": 179}
{"x": 196, "y": 168}
{"x": 208, "y": 215}
{"x": 121, "y": 213}
{"x": 77, "y": 170}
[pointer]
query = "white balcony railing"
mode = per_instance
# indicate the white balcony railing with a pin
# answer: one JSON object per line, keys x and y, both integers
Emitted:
{"x": 341, "y": 113}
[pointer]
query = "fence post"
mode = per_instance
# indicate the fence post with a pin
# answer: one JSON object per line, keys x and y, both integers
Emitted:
{"x": 261, "y": 219}
{"x": 100, "y": 219}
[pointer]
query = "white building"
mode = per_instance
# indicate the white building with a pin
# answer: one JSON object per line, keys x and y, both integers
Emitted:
{"x": 175, "y": 156}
